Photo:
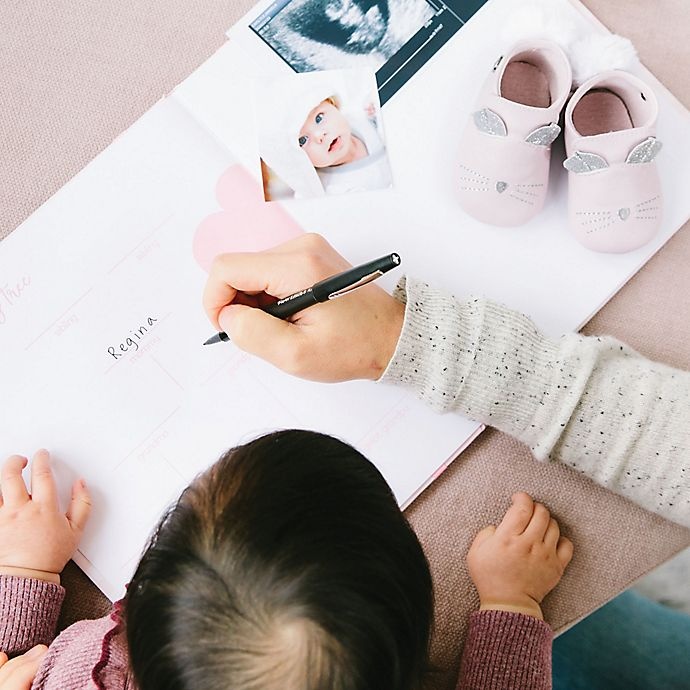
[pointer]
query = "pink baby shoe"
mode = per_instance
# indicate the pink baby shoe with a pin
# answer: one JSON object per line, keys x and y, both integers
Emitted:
{"x": 505, "y": 149}
{"x": 613, "y": 184}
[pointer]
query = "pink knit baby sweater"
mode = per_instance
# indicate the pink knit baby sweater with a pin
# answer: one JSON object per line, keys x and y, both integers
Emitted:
{"x": 503, "y": 650}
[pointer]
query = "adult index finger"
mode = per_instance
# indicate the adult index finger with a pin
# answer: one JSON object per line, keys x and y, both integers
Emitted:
{"x": 233, "y": 273}
{"x": 282, "y": 271}
{"x": 279, "y": 270}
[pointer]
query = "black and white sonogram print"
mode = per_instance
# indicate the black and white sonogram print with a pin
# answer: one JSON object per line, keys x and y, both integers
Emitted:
{"x": 332, "y": 34}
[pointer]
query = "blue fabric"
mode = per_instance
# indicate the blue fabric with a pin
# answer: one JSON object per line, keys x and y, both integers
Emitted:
{"x": 631, "y": 643}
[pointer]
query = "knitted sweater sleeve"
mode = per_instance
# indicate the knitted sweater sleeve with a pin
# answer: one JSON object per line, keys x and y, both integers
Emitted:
{"x": 589, "y": 402}
{"x": 29, "y": 611}
{"x": 506, "y": 650}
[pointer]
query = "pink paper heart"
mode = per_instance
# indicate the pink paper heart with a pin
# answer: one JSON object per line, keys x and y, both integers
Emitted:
{"x": 247, "y": 223}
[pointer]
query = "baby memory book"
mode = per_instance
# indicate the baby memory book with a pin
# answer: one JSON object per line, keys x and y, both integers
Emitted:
{"x": 101, "y": 325}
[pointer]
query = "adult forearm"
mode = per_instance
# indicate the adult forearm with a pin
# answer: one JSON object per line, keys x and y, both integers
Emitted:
{"x": 591, "y": 403}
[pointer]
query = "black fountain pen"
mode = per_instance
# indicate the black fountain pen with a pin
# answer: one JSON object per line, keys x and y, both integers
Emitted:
{"x": 325, "y": 290}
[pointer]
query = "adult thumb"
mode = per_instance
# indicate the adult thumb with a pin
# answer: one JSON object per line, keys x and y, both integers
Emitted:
{"x": 254, "y": 331}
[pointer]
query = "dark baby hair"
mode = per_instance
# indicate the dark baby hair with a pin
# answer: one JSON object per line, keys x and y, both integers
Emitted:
{"x": 287, "y": 565}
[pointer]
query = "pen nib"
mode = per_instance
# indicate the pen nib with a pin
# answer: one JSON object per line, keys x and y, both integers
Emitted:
{"x": 217, "y": 338}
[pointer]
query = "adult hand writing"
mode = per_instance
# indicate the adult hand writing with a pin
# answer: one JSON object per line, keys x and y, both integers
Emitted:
{"x": 353, "y": 337}
{"x": 19, "y": 673}
{"x": 36, "y": 539}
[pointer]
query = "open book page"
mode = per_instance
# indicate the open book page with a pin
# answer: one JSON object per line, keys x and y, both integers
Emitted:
{"x": 101, "y": 331}
{"x": 100, "y": 319}
{"x": 538, "y": 268}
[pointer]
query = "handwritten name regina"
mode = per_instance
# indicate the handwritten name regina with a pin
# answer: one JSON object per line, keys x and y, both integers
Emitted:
{"x": 131, "y": 342}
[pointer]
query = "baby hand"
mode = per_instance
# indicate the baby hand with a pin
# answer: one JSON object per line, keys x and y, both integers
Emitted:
{"x": 515, "y": 565}
{"x": 36, "y": 539}
{"x": 19, "y": 673}
{"x": 352, "y": 337}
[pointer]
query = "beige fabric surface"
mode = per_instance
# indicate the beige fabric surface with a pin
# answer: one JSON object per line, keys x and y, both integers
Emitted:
{"x": 75, "y": 73}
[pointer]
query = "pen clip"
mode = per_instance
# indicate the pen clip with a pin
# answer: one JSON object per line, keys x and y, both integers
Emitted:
{"x": 362, "y": 281}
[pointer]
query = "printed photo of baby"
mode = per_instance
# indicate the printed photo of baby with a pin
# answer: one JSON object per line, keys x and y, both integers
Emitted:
{"x": 320, "y": 133}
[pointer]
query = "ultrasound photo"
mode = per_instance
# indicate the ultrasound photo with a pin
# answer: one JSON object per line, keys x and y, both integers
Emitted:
{"x": 331, "y": 34}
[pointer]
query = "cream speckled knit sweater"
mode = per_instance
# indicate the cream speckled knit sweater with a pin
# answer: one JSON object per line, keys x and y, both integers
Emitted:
{"x": 591, "y": 403}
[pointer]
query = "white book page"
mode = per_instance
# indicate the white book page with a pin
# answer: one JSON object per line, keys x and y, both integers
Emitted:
{"x": 125, "y": 241}
{"x": 539, "y": 269}
{"x": 101, "y": 332}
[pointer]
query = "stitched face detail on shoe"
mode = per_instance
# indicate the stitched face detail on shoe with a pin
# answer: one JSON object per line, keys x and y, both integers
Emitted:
{"x": 595, "y": 221}
{"x": 472, "y": 180}
{"x": 648, "y": 210}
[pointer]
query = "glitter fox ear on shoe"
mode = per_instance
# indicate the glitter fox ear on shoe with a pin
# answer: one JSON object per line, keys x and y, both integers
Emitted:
{"x": 505, "y": 148}
{"x": 614, "y": 192}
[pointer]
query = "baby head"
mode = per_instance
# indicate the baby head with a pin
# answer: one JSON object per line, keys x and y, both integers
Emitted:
{"x": 287, "y": 565}
{"x": 326, "y": 137}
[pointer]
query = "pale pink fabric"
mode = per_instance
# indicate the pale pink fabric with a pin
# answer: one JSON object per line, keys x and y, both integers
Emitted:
{"x": 74, "y": 75}
{"x": 503, "y": 171}
{"x": 506, "y": 650}
{"x": 503, "y": 649}
{"x": 28, "y": 613}
{"x": 617, "y": 208}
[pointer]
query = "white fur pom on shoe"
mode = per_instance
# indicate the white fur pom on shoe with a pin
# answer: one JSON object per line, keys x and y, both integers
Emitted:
{"x": 596, "y": 53}
{"x": 537, "y": 19}
{"x": 589, "y": 54}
